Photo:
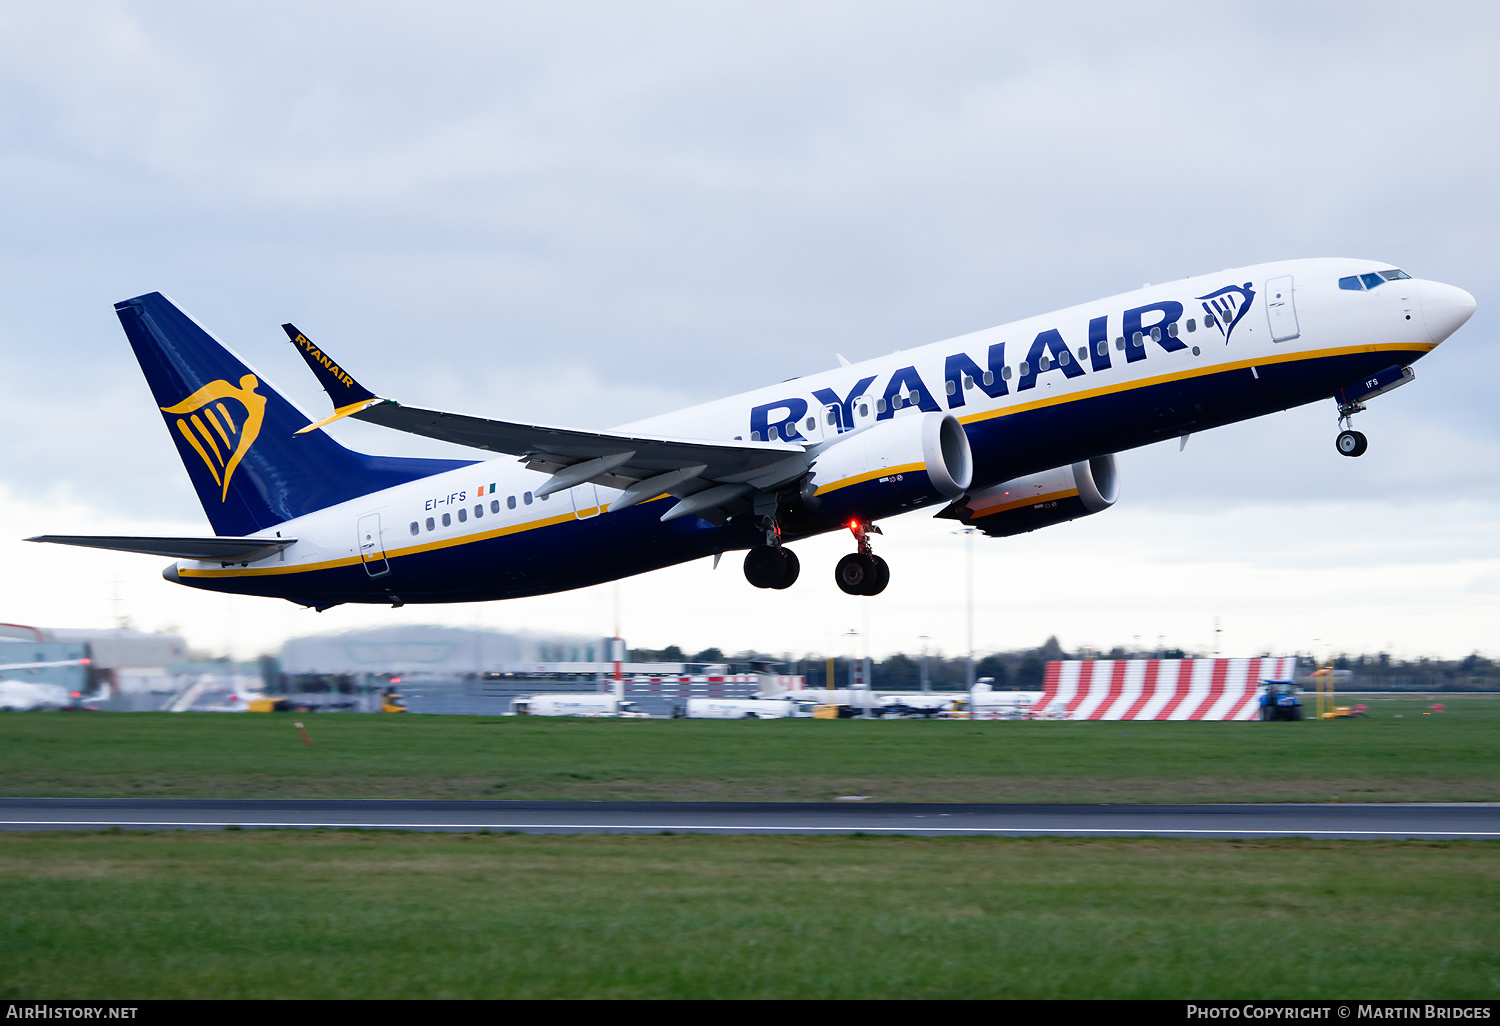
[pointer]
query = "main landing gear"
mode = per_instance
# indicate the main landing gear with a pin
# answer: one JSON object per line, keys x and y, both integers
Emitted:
{"x": 1349, "y": 441}
{"x": 770, "y": 565}
{"x": 862, "y": 572}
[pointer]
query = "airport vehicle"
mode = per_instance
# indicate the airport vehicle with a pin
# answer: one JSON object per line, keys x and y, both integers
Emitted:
{"x": 575, "y": 705}
{"x": 1281, "y": 700}
{"x": 265, "y": 705}
{"x": 1009, "y": 429}
{"x": 748, "y": 708}
{"x": 392, "y": 702}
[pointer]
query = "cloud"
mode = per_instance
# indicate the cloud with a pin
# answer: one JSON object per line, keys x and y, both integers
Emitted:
{"x": 588, "y": 213}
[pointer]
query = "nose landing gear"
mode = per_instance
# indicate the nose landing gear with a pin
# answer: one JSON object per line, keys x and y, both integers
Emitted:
{"x": 770, "y": 565}
{"x": 862, "y": 572}
{"x": 1349, "y": 441}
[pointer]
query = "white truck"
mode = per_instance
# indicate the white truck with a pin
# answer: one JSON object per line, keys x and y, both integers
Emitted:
{"x": 747, "y": 708}
{"x": 574, "y": 705}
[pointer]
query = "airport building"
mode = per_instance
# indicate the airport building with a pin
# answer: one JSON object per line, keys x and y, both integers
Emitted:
{"x": 457, "y": 670}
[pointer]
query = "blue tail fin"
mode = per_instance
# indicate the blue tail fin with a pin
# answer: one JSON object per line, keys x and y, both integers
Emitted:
{"x": 237, "y": 435}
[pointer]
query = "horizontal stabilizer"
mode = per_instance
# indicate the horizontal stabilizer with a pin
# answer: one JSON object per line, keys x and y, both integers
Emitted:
{"x": 226, "y": 550}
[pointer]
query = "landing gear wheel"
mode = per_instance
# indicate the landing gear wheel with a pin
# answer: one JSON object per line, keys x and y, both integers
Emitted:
{"x": 880, "y": 578}
{"x": 853, "y": 573}
{"x": 763, "y": 566}
{"x": 768, "y": 566}
{"x": 1352, "y": 443}
{"x": 791, "y": 566}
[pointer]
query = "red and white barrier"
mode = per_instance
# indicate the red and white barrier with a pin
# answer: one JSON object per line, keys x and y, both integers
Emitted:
{"x": 1158, "y": 689}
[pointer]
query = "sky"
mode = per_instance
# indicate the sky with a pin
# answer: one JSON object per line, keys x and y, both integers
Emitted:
{"x": 589, "y": 213}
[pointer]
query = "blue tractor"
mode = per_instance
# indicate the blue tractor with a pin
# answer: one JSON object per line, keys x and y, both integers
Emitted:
{"x": 1281, "y": 700}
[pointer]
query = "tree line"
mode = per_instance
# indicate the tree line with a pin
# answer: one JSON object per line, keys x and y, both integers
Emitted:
{"x": 1023, "y": 669}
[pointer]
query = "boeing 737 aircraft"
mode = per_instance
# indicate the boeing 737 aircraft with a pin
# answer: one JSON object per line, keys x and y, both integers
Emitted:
{"x": 1008, "y": 429}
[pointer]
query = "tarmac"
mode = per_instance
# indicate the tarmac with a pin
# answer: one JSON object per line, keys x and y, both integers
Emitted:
{"x": 1438, "y": 821}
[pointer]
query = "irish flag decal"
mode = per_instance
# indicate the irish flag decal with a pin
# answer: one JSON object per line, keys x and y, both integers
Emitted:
{"x": 484, "y": 490}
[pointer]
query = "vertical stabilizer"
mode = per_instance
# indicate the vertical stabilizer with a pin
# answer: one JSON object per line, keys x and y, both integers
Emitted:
{"x": 237, "y": 435}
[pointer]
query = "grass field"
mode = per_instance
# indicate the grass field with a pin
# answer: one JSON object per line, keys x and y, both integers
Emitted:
{"x": 1448, "y": 757}
{"x": 349, "y": 914}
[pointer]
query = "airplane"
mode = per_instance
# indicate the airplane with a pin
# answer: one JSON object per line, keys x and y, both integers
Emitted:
{"x": 1007, "y": 430}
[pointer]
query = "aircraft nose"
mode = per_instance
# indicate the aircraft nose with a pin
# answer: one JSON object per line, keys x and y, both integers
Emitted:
{"x": 1445, "y": 308}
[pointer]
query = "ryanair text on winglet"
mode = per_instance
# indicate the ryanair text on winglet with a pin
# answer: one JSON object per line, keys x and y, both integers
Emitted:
{"x": 317, "y": 354}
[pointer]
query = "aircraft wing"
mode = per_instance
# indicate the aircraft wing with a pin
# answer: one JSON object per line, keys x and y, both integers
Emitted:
{"x": 225, "y": 550}
{"x": 704, "y": 476}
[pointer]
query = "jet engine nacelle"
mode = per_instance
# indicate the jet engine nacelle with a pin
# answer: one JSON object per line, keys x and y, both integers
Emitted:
{"x": 896, "y": 464}
{"x": 1041, "y": 500}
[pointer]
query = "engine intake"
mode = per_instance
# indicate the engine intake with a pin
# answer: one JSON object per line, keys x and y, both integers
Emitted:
{"x": 897, "y": 464}
{"x": 1041, "y": 500}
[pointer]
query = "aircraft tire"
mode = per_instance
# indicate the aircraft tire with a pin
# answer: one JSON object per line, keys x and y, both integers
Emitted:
{"x": 853, "y": 573}
{"x": 764, "y": 566}
{"x": 1352, "y": 443}
{"x": 791, "y": 566}
{"x": 879, "y": 578}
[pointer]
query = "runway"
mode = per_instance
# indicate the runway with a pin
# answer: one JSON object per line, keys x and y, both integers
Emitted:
{"x": 1363, "y": 821}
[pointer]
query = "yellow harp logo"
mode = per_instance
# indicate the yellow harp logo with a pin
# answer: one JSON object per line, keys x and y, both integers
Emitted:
{"x": 221, "y": 422}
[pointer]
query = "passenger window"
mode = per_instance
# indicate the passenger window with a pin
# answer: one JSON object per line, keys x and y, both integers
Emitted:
{"x": 1004, "y": 373}
{"x": 1351, "y": 284}
{"x": 832, "y": 417}
{"x": 510, "y": 502}
{"x": 864, "y": 410}
{"x": 1063, "y": 359}
{"x": 526, "y": 498}
{"x": 1192, "y": 324}
{"x": 479, "y": 511}
{"x": 989, "y": 377}
{"x": 415, "y": 527}
{"x": 1024, "y": 368}
{"x": 1137, "y": 339}
{"x": 896, "y": 402}
{"x": 1102, "y": 348}
{"x": 1120, "y": 342}
{"x": 755, "y": 436}
{"x": 1371, "y": 280}
{"x": 447, "y": 520}
{"x": 546, "y": 497}
{"x": 968, "y": 381}
{"x": 430, "y": 525}
{"x": 1156, "y": 334}
{"x": 950, "y": 387}
{"x": 1083, "y": 353}
{"x": 916, "y": 397}
{"x": 1208, "y": 320}
{"x": 771, "y": 434}
{"x": 879, "y": 405}
{"x": 1172, "y": 329}
{"x": 1043, "y": 363}
{"x": 812, "y": 422}
{"x": 463, "y": 515}
{"x": 495, "y": 504}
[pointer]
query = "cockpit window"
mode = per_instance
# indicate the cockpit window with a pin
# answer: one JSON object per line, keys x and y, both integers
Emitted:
{"x": 1362, "y": 282}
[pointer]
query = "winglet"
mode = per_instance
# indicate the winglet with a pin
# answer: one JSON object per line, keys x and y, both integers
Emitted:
{"x": 348, "y": 395}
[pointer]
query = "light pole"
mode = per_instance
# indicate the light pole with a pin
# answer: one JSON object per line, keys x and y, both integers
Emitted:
{"x": 968, "y": 533}
{"x": 853, "y": 647}
{"x": 926, "y": 681}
